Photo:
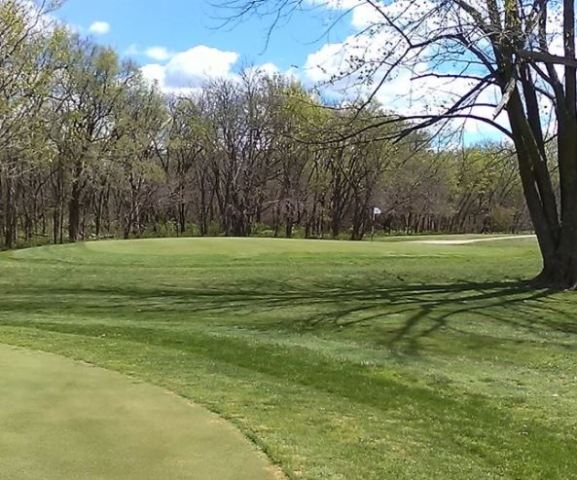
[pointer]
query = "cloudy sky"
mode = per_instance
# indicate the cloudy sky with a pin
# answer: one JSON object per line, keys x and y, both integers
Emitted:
{"x": 179, "y": 42}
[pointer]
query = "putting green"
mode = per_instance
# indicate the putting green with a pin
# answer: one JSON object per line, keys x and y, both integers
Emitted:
{"x": 61, "y": 419}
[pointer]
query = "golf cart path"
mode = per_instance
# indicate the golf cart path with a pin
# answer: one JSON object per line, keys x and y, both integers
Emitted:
{"x": 67, "y": 420}
{"x": 471, "y": 240}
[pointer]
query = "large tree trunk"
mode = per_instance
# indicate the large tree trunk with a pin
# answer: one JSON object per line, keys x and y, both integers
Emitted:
{"x": 9, "y": 214}
{"x": 557, "y": 239}
{"x": 560, "y": 263}
{"x": 74, "y": 215}
{"x": 74, "y": 204}
{"x": 555, "y": 222}
{"x": 559, "y": 269}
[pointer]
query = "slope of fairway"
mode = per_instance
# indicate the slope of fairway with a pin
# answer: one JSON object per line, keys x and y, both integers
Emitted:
{"x": 65, "y": 420}
{"x": 341, "y": 360}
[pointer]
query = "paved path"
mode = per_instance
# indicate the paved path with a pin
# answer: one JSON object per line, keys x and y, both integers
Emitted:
{"x": 472, "y": 240}
{"x": 65, "y": 420}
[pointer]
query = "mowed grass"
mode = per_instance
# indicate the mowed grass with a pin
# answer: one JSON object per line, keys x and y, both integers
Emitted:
{"x": 341, "y": 360}
{"x": 61, "y": 419}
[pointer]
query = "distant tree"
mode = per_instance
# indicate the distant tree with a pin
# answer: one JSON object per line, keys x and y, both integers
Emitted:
{"x": 240, "y": 117}
{"x": 139, "y": 115}
{"x": 184, "y": 159}
{"x": 85, "y": 96}
{"x": 28, "y": 61}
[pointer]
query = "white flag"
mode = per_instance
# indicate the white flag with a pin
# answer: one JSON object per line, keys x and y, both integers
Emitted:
{"x": 376, "y": 211}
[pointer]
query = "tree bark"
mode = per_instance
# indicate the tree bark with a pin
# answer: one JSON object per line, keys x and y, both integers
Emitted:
{"x": 75, "y": 203}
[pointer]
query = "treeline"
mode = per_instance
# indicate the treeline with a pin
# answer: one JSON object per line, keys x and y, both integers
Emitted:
{"x": 90, "y": 149}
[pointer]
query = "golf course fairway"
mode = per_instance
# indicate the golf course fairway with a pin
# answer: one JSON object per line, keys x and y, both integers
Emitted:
{"x": 405, "y": 358}
{"x": 62, "y": 419}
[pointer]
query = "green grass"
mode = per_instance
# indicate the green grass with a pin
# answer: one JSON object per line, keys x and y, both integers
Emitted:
{"x": 64, "y": 420}
{"x": 372, "y": 360}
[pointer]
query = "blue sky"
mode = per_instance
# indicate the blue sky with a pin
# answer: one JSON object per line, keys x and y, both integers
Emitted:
{"x": 180, "y": 25}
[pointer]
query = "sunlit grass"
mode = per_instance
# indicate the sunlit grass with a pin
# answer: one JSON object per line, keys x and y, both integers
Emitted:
{"x": 372, "y": 360}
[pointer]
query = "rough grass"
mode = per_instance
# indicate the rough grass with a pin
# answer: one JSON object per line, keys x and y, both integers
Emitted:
{"x": 342, "y": 360}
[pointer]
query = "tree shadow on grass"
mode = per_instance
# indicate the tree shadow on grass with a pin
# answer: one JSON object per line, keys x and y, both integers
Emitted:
{"x": 397, "y": 315}
{"x": 408, "y": 313}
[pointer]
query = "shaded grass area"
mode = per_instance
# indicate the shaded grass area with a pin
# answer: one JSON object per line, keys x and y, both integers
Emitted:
{"x": 341, "y": 360}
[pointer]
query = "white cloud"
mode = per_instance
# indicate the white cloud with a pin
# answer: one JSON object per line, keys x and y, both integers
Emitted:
{"x": 156, "y": 53}
{"x": 325, "y": 63}
{"x": 187, "y": 71}
{"x": 154, "y": 73}
{"x": 269, "y": 69}
{"x": 160, "y": 54}
{"x": 365, "y": 15}
{"x": 99, "y": 28}
{"x": 191, "y": 68}
{"x": 194, "y": 66}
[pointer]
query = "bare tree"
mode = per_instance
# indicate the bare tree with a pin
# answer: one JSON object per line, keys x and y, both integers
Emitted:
{"x": 525, "y": 50}
{"x": 28, "y": 53}
{"x": 85, "y": 97}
